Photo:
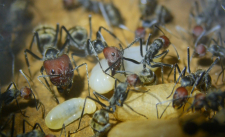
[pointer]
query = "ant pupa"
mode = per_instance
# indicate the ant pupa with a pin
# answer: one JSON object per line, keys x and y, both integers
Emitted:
{"x": 11, "y": 94}
{"x": 200, "y": 79}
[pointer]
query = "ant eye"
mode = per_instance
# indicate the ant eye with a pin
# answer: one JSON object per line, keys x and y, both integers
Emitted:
{"x": 53, "y": 71}
{"x": 113, "y": 54}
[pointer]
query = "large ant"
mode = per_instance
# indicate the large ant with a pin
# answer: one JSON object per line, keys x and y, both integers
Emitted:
{"x": 12, "y": 93}
{"x": 151, "y": 53}
{"x": 200, "y": 79}
{"x": 78, "y": 39}
{"x": 120, "y": 94}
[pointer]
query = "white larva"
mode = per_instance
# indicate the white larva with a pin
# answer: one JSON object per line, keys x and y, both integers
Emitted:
{"x": 68, "y": 111}
{"x": 103, "y": 83}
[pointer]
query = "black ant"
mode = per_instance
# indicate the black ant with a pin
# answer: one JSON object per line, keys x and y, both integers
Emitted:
{"x": 35, "y": 132}
{"x": 151, "y": 53}
{"x": 120, "y": 94}
{"x": 78, "y": 39}
{"x": 11, "y": 118}
{"x": 147, "y": 7}
{"x": 12, "y": 93}
{"x": 200, "y": 79}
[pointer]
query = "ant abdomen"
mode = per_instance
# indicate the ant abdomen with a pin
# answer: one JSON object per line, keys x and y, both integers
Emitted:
{"x": 180, "y": 97}
{"x": 62, "y": 68}
{"x": 25, "y": 93}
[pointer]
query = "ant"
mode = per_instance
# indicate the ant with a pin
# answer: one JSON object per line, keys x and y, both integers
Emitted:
{"x": 35, "y": 132}
{"x": 100, "y": 123}
{"x": 11, "y": 118}
{"x": 151, "y": 53}
{"x": 147, "y": 7}
{"x": 12, "y": 93}
{"x": 200, "y": 79}
{"x": 120, "y": 94}
{"x": 179, "y": 100}
{"x": 78, "y": 39}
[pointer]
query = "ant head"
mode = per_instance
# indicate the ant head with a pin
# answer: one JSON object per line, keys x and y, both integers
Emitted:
{"x": 199, "y": 101}
{"x": 166, "y": 41}
{"x": 133, "y": 80}
{"x": 180, "y": 97}
{"x": 112, "y": 54}
{"x": 25, "y": 93}
{"x": 197, "y": 31}
{"x": 200, "y": 50}
{"x": 140, "y": 33}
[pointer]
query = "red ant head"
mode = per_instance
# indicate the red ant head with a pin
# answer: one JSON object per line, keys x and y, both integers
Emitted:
{"x": 25, "y": 93}
{"x": 180, "y": 97}
{"x": 197, "y": 31}
{"x": 140, "y": 33}
{"x": 166, "y": 41}
{"x": 199, "y": 101}
{"x": 59, "y": 66}
{"x": 112, "y": 54}
{"x": 200, "y": 50}
{"x": 134, "y": 80}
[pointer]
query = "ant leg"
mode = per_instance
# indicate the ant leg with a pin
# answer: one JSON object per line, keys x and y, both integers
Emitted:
{"x": 163, "y": 54}
{"x": 27, "y": 62}
{"x": 135, "y": 111}
{"x": 86, "y": 74}
{"x": 163, "y": 110}
{"x": 148, "y": 40}
{"x": 101, "y": 96}
{"x": 178, "y": 69}
{"x": 63, "y": 128}
{"x": 222, "y": 72}
{"x": 38, "y": 42}
{"x": 188, "y": 60}
{"x": 74, "y": 63}
{"x": 104, "y": 14}
{"x": 112, "y": 34}
{"x": 30, "y": 87}
{"x": 82, "y": 113}
{"x": 132, "y": 43}
{"x": 197, "y": 81}
{"x": 38, "y": 125}
{"x": 20, "y": 108}
{"x": 11, "y": 117}
{"x": 66, "y": 44}
{"x": 90, "y": 27}
{"x": 181, "y": 74}
{"x": 68, "y": 34}
{"x": 47, "y": 84}
{"x": 43, "y": 108}
{"x": 56, "y": 35}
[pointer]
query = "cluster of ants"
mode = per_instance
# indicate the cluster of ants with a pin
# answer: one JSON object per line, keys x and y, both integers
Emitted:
{"x": 58, "y": 67}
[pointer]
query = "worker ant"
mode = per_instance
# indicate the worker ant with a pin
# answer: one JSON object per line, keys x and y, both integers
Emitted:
{"x": 12, "y": 93}
{"x": 200, "y": 79}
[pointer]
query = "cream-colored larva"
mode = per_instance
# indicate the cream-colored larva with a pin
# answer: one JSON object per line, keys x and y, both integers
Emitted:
{"x": 68, "y": 111}
{"x": 102, "y": 83}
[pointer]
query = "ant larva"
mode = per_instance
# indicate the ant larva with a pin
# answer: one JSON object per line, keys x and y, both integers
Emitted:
{"x": 200, "y": 79}
{"x": 12, "y": 93}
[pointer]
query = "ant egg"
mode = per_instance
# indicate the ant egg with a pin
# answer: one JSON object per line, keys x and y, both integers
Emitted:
{"x": 68, "y": 111}
{"x": 102, "y": 83}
